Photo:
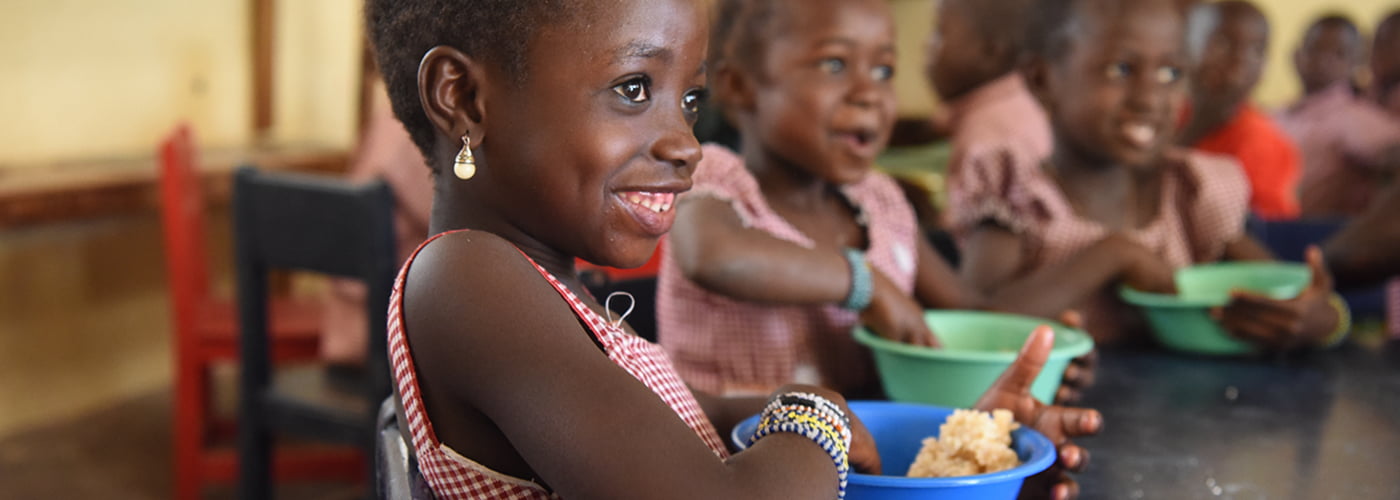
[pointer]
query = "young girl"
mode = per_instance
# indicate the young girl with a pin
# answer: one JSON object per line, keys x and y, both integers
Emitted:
{"x": 561, "y": 130}
{"x": 1114, "y": 203}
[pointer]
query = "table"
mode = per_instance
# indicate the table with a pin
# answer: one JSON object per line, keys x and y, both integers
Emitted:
{"x": 1321, "y": 426}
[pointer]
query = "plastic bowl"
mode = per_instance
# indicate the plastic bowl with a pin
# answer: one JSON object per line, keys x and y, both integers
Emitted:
{"x": 1214, "y": 282}
{"x": 899, "y": 430}
{"x": 977, "y": 348}
{"x": 1182, "y": 322}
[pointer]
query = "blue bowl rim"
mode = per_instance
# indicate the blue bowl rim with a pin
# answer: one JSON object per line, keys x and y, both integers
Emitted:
{"x": 1042, "y": 456}
{"x": 1076, "y": 343}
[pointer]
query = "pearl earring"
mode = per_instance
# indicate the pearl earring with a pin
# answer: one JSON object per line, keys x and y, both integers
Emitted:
{"x": 465, "y": 166}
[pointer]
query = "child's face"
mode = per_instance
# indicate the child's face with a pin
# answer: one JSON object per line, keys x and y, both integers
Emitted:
{"x": 1114, "y": 95}
{"x": 1327, "y": 57}
{"x": 591, "y": 151}
{"x": 824, "y": 99}
{"x": 1233, "y": 58}
{"x": 955, "y": 51}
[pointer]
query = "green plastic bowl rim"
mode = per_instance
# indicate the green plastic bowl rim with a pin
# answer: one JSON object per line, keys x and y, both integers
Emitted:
{"x": 1075, "y": 343}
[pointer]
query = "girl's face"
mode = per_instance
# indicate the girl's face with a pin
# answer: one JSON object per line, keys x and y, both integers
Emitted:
{"x": 590, "y": 152}
{"x": 1115, "y": 94}
{"x": 824, "y": 98}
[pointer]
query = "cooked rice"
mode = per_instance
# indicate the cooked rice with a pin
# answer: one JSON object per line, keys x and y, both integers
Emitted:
{"x": 972, "y": 442}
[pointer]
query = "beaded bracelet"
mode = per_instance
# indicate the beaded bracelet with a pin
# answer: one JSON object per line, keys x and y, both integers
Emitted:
{"x": 862, "y": 286}
{"x": 1343, "y": 321}
{"x": 815, "y": 418}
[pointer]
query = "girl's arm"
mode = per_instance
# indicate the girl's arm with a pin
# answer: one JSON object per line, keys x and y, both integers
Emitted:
{"x": 994, "y": 255}
{"x": 937, "y": 286}
{"x": 491, "y": 339}
{"x": 715, "y": 250}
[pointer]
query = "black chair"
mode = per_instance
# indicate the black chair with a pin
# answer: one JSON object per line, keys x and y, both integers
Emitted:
{"x": 391, "y": 456}
{"x": 322, "y": 225}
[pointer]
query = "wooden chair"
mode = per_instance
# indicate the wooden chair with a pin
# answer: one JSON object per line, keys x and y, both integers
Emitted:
{"x": 206, "y": 333}
{"x": 321, "y": 225}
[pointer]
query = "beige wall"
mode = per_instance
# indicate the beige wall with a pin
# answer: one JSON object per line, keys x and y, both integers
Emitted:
{"x": 97, "y": 78}
{"x": 913, "y": 19}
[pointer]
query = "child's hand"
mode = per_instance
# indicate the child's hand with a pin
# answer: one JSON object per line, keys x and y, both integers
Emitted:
{"x": 1079, "y": 376}
{"x": 895, "y": 315}
{"x": 863, "y": 456}
{"x": 1012, "y": 391}
{"x": 1142, "y": 269}
{"x": 1284, "y": 324}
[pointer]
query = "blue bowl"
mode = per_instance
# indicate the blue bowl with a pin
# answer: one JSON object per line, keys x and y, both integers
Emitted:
{"x": 899, "y": 430}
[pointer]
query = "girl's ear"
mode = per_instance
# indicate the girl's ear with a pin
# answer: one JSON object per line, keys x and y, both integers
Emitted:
{"x": 450, "y": 85}
{"x": 733, "y": 88}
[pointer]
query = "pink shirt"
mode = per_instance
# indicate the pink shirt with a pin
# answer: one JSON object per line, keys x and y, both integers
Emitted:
{"x": 1342, "y": 138}
{"x": 1203, "y": 208}
{"x": 725, "y": 346}
{"x": 1000, "y": 118}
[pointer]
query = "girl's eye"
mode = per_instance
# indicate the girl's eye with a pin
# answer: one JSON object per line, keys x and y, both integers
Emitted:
{"x": 1118, "y": 71}
{"x": 692, "y": 101}
{"x": 833, "y": 65}
{"x": 882, "y": 73}
{"x": 635, "y": 90}
{"x": 1168, "y": 74}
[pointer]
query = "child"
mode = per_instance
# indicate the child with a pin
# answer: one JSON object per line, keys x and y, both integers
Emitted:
{"x": 973, "y": 53}
{"x": 1349, "y": 145}
{"x": 1114, "y": 203}
{"x": 561, "y": 130}
{"x": 1228, "y": 43}
{"x": 1385, "y": 64}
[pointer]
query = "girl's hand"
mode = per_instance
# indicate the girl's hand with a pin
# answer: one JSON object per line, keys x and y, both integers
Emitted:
{"x": 1283, "y": 325}
{"x": 895, "y": 315}
{"x": 1012, "y": 391}
{"x": 1079, "y": 376}
{"x": 1142, "y": 269}
{"x": 863, "y": 456}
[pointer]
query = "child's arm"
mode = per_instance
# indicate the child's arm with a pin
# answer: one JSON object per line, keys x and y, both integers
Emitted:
{"x": 1310, "y": 319}
{"x": 715, "y": 250}
{"x": 995, "y": 255}
{"x": 937, "y": 286}
{"x": 511, "y": 379}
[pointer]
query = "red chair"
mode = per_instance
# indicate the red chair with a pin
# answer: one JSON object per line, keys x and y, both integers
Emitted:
{"x": 206, "y": 332}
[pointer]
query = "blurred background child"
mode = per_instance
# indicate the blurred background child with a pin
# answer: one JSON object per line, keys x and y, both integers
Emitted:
{"x": 757, "y": 287}
{"x": 1385, "y": 64}
{"x": 1349, "y": 145}
{"x": 1228, "y": 42}
{"x": 1115, "y": 203}
{"x": 972, "y": 58}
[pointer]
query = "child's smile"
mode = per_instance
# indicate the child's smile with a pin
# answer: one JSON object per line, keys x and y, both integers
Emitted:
{"x": 652, "y": 210}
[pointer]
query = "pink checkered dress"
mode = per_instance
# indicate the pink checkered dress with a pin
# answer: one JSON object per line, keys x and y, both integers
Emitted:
{"x": 734, "y": 347}
{"x": 1204, "y": 201}
{"x": 453, "y": 476}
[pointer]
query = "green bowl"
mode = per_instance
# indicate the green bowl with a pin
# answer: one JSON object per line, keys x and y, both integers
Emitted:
{"x": 1182, "y": 322}
{"x": 1214, "y": 282}
{"x": 977, "y": 347}
{"x": 1185, "y": 325}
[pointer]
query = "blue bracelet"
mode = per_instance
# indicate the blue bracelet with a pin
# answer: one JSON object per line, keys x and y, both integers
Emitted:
{"x": 811, "y": 416}
{"x": 862, "y": 287}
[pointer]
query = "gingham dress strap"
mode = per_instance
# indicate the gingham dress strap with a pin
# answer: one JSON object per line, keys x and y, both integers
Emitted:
{"x": 451, "y": 475}
{"x": 646, "y": 362}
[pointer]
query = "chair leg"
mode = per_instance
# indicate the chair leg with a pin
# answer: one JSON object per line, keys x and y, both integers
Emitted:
{"x": 190, "y": 418}
{"x": 254, "y": 453}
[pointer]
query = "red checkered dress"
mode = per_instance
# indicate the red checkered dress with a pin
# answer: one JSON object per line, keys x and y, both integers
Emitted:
{"x": 454, "y": 476}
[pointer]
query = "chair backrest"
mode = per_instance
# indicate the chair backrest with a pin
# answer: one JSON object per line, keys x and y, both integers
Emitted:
{"x": 318, "y": 224}
{"x": 182, "y": 221}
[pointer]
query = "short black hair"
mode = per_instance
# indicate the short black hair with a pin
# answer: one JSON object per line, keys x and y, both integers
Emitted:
{"x": 1048, "y": 32}
{"x": 1003, "y": 20}
{"x": 1335, "y": 21}
{"x": 497, "y": 32}
{"x": 739, "y": 28}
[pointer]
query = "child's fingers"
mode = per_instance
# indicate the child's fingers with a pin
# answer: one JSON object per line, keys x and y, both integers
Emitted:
{"x": 1321, "y": 277}
{"x": 1018, "y": 377}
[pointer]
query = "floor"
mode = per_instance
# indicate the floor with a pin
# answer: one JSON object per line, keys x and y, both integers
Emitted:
{"x": 85, "y": 362}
